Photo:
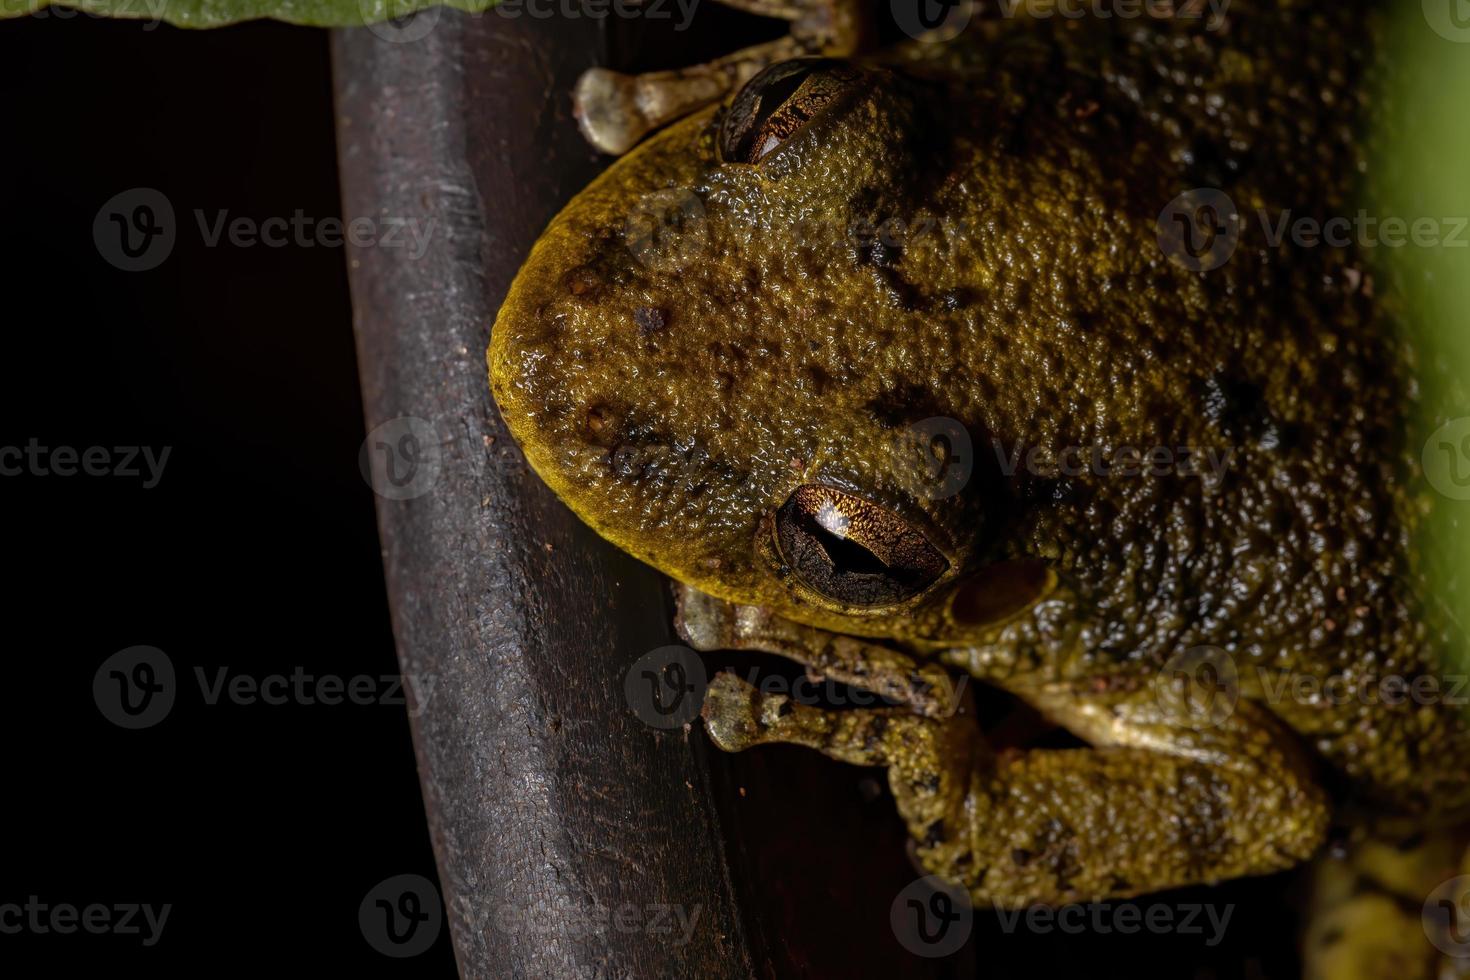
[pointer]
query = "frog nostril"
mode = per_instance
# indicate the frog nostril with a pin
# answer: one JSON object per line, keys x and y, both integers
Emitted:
{"x": 853, "y": 551}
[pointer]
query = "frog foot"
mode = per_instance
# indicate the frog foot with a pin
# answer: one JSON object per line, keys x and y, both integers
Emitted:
{"x": 1151, "y": 806}
{"x": 614, "y": 110}
{"x": 707, "y": 623}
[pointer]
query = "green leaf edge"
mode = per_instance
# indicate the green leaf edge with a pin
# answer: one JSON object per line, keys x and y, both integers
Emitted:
{"x": 221, "y": 13}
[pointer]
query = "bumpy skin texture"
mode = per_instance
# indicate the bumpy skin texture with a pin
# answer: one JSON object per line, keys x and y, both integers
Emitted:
{"x": 676, "y": 392}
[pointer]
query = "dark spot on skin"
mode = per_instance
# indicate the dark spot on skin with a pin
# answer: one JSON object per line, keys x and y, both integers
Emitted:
{"x": 903, "y": 405}
{"x": 882, "y": 254}
{"x": 955, "y": 299}
{"x": 1021, "y": 857}
{"x": 584, "y": 283}
{"x": 784, "y": 709}
{"x": 626, "y": 462}
{"x": 901, "y": 293}
{"x": 1239, "y": 408}
{"x": 1331, "y": 937}
{"x": 934, "y": 834}
{"x": 650, "y": 320}
{"x": 876, "y": 730}
{"x": 602, "y": 425}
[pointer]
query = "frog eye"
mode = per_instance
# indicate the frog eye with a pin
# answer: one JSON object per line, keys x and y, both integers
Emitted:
{"x": 853, "y": 551}
{"x": 779, "y": 101}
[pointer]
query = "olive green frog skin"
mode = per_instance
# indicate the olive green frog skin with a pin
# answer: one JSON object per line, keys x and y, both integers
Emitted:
{"x": 714, "y": 358}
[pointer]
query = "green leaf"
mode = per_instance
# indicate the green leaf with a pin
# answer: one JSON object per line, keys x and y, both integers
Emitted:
{"x": 217, "y": 13}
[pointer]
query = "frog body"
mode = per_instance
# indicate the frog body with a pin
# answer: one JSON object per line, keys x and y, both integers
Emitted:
{"x": 944, "y": 356}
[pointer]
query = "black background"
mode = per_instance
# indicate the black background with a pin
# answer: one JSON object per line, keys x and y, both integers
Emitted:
{"x": 264, "y": 826}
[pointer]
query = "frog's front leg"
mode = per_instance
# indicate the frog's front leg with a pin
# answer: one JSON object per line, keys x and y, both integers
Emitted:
{"x": 615, "y": 110}
{"x": 1151, "y": 806}
{"x": 931, "y": 762}
{"x": 707, "y": 623}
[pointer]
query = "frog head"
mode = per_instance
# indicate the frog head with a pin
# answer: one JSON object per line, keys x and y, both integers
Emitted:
{"x": 741, "y": 355}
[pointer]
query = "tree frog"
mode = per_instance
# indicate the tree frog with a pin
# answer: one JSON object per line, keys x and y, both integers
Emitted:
{"x": 985, "y": 357}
